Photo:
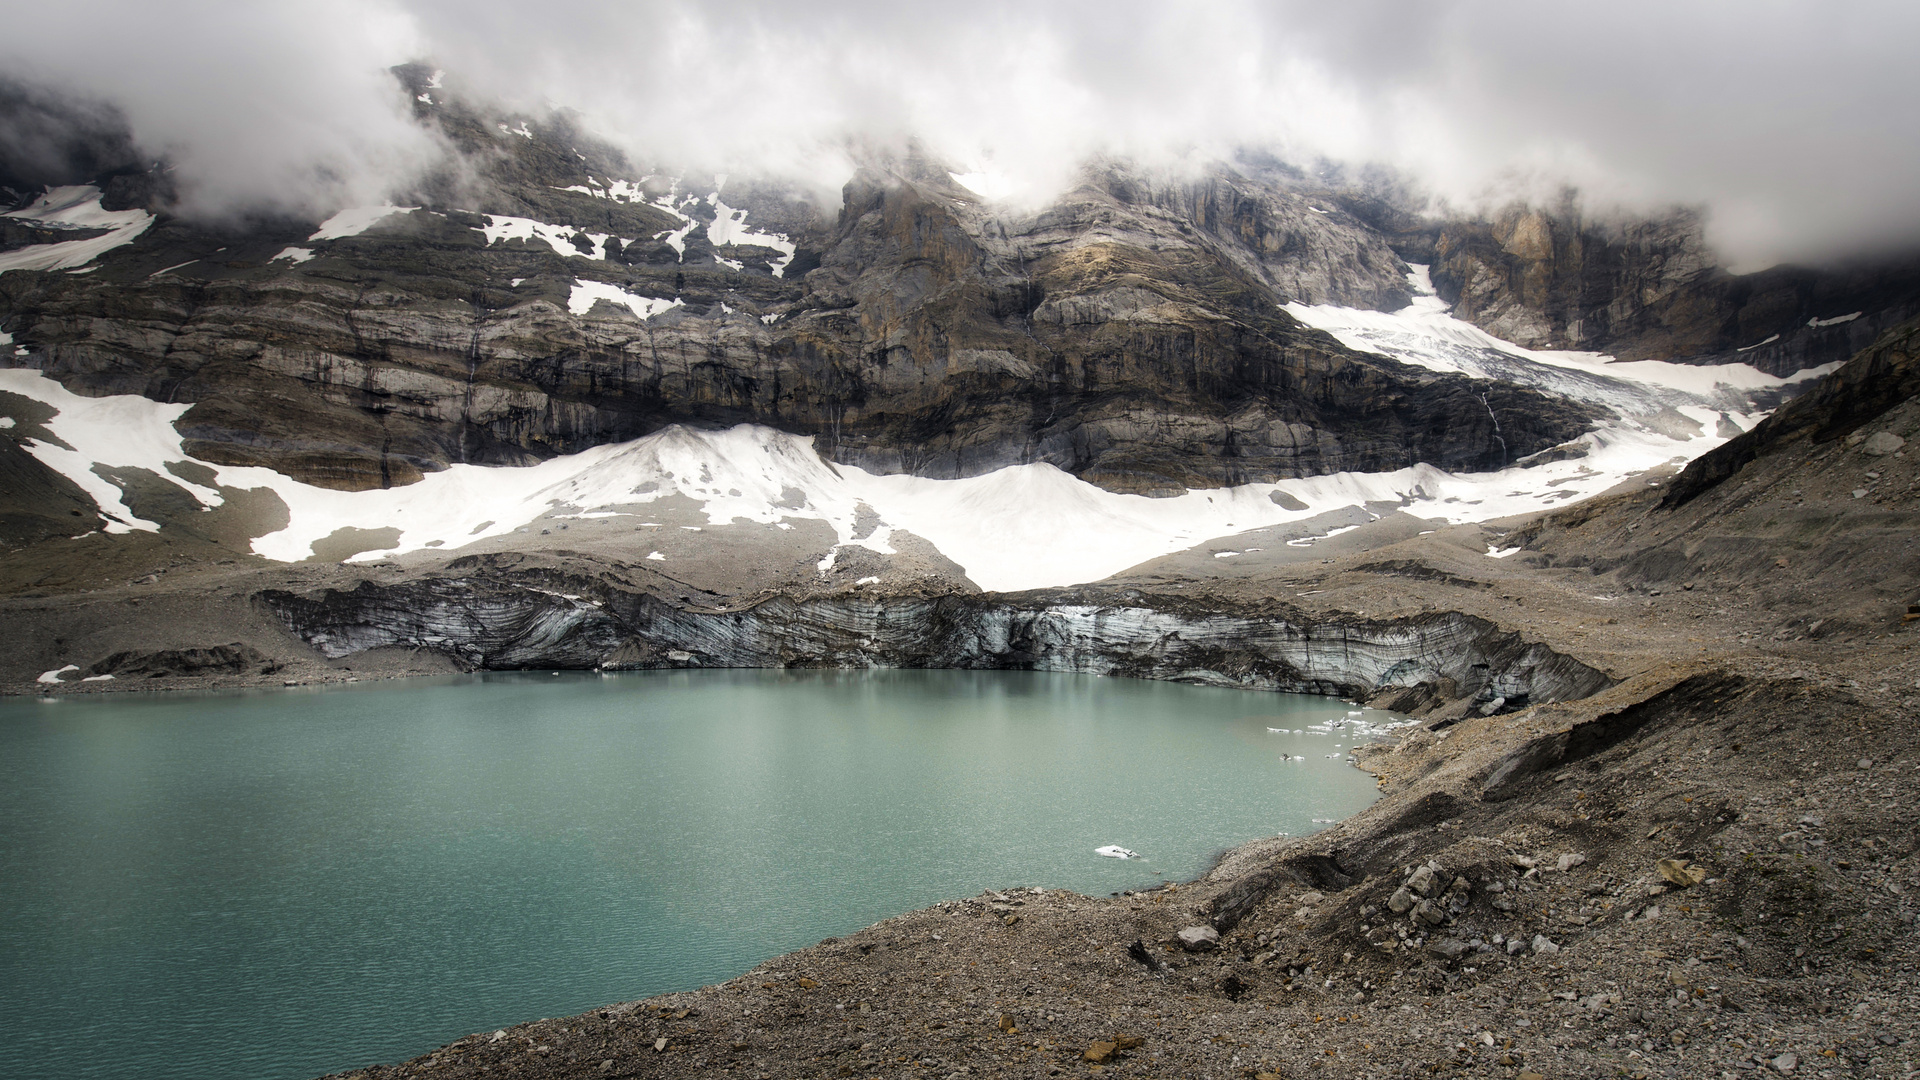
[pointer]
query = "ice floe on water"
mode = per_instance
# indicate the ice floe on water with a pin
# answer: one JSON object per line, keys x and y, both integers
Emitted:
{"x": 1115, "y": 851}
{"x": 73, "y": 209}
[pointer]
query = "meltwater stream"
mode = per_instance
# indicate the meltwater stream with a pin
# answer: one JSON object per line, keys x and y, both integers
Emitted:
{"x": 283, "y": 884}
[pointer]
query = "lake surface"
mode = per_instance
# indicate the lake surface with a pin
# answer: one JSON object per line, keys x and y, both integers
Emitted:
{"x": 287, "y": 883}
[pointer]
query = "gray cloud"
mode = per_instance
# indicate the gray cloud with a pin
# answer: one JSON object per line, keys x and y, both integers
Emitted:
{"x": 1791, "y": 122}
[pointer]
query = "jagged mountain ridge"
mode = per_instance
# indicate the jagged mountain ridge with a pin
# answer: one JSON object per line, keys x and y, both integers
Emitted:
{"x": 1130, "y": 333}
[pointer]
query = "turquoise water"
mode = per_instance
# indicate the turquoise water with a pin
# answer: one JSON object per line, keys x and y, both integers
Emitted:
{"x": 287, "y": 883}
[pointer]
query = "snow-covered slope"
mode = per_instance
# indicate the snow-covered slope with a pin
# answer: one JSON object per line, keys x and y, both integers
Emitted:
{"x": 1425, "y": 334}
{"x": 1022, "y": 527}
{"x": 73, "y": 209}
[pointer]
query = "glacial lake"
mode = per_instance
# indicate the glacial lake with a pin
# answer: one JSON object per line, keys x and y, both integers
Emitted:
{"x": 287, "y": 883}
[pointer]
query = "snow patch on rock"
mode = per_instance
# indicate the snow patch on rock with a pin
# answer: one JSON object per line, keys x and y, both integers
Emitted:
{"x": 73, "y": 209}
{"x": 355, "y": 220}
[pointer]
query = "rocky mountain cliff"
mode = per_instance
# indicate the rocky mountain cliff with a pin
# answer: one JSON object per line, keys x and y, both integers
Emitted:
{"x": 549, "y": 298}
{"x": 542, "y": 295}
{"x": 1652, "y": 290}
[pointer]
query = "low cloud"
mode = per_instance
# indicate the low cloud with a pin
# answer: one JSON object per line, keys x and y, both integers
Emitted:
{"x": 1791, "y": 123}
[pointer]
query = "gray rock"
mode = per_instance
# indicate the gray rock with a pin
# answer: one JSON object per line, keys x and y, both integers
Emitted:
{"x": 1308, "y": 899}
{"x": 1430, "y": 913}
{"x": 1401, "y": 901}
{"x": 1865, "y": 763}
{"x": 1515, "y": 947}
{"x": 1786, "y": 1063}
{"x": 1424, "y": 881}
{"x": 1447, "y": 947}
{"x": 1569, "y": 861}
{"x": 490, "y": 618}
{"x": 1543, "y": 947}
{"x": 1199, "y": 938}
{"x": 1882, "y": 443}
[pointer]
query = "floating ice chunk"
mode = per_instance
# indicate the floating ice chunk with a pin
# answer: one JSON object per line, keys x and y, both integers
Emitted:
{"x": 355, "y": 220}
{"x": 53, "y": 676}
{"x": 1115, "y": 851}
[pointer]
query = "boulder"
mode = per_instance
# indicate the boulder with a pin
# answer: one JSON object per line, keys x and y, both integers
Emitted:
{"x": 1424, "y": 881}
{"x": 1882, "y": 443}
{"x": 1199, "y": 938}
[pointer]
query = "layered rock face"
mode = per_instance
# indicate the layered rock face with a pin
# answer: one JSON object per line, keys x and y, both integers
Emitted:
{"x": 1129, "y": 333}
{"x": 501, "y": 621}
{"x": 1651, "y": 290}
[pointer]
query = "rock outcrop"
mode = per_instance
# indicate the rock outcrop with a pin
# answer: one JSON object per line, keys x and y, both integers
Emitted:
{"x": 1652, "y": 290}
{"x": 1130, "y": 333}
{"x": 504, "y": 621}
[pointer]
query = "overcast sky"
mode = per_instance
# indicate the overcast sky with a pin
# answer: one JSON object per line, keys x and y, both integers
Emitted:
{"x": 1797, "y": 125}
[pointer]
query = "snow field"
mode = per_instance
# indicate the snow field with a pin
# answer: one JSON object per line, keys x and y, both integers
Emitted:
{"x": 1026, "y": 526}
{"x": 73, "y": 208}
